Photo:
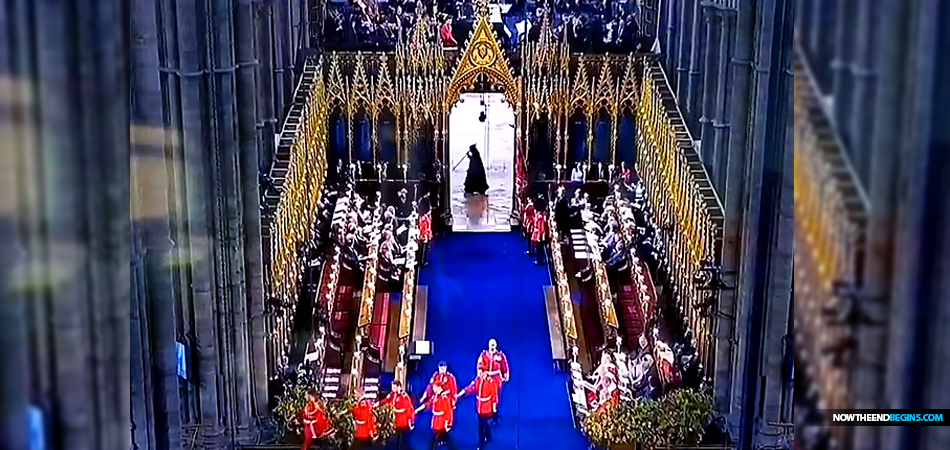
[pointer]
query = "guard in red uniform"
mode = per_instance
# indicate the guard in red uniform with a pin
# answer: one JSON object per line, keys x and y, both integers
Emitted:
{"x": 444, "y": 380}
{"x": 494, "y": 363}
{"x": 539, "y": 232}
{"x": 425, "y": 227}
{"x": 528, "y": 221}
{"x": 486, "y": 389}
{"x": 365, "y": 420}
{"x": 442, "y": 404}
{"x": 316, "y": 423}
{"x": 405, "y": 413}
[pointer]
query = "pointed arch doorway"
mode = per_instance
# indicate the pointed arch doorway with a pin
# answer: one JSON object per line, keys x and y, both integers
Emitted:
{"x": 482, "y": 101}
{"x": 487, "y": 121}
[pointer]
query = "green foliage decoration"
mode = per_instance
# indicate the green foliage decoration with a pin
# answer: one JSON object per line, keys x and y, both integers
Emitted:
{"x": 686, "y": 412}
{"x": 289, "y": 406}
{"x": 678, "y": 419}
{"x": 344, "y": 425}
{"x": 385, "y": 422}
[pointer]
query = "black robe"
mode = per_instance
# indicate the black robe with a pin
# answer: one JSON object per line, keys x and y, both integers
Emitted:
{"x": 476, "y": 182}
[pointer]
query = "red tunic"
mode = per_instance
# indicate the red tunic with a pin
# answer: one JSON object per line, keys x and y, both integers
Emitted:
{"x": 529, "y": 218}
{"x": 446, "y": 381}
{"x": 443, "y": 412}
{"x": 365, "y": 420}
{"x": 486, "y": 396}
{"x": 540, "y": 230}
{"x": 425, "y": 227}
{"x": 446, "y": 34}
{"x": 495, "y": 364}
{"x": 405, "y": 410}
{"x": 315, "y": 421}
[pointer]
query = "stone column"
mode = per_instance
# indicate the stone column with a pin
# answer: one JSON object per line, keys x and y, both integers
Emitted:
{"x": 864, "y": 79}
{"x": 694, "y": 88}
{"x": 764, "y": 279}
{"x": 711, "y": 80}
{"x": 266, "y": 119}
{"x": 721, "y": 119}
{"x": 669, "y": 46}
{"x": 684, "y": 48}
{"x": 917, "y": 212}
{"x": 726, "y": 380}
{"x": 843, "y": 87}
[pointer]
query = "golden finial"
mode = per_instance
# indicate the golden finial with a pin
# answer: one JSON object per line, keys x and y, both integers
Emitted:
{"x": 482, "y": 6}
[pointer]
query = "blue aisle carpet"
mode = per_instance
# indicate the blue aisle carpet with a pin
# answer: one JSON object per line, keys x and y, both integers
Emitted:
{"x": 481, "y": 286}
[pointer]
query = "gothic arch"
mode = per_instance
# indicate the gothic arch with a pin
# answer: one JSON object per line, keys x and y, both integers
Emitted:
{"x": 483, "y": 56}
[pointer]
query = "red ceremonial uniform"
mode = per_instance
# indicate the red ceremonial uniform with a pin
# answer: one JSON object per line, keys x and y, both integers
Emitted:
{"x": 405, "y": 411}
{"x": 495, "y": 364}
{"x": 529, "y": 218}
{"x": 540, "y": 229}
{"x": 316, "y": 424}
{"x": 446, "y": 381}
{"x": 365, "y": 420}
{"x": 425, "y": 227}
{"x": 486, "y": 395}
{"x": 443, "y": 412}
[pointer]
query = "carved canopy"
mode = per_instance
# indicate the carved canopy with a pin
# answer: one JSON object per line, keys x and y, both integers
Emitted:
{"x": 483, "y": 55}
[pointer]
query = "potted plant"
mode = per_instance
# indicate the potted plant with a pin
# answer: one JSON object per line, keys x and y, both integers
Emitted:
{"x": 684, "y": 416}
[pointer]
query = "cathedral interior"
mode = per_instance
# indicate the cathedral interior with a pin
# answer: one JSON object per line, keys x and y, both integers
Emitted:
{"x": 347, "y": 216}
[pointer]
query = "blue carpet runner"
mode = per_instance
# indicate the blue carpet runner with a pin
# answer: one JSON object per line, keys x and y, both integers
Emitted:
{"x": 482, "y": 286}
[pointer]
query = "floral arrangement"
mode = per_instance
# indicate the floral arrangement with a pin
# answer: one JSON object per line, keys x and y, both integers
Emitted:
{"x": 678, "y": 419}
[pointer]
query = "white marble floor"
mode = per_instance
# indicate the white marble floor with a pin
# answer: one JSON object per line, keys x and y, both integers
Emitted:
{"x": 495, "y": 139}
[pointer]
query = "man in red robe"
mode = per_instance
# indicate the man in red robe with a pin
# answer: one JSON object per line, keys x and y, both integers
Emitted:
{"x": 405, "y": 413}
{"x": 316, "y": 423}
{"x": 495, "y": 364}
{"x": 365, "y": 420}
{"x": 444, "y": 380}
{"x": 442, "y": 404}
{"x": 486, "y": 390}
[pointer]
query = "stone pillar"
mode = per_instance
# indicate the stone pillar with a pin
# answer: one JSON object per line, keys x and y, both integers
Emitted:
{"x": 721, "y": 118}
{"x": 694, "y": 87}
{"x": 843, "y": 75}
{"x": 711, "y": 79}
{"x": 684, "y": 49}
{"x": 764, "y": 281}
{"x": 669, "y": 47}
{"x": 864, "y": 79}
{"x": 729, "y": 328}
{"x": 266, "y": 119}
{"x": 919, "y": 210}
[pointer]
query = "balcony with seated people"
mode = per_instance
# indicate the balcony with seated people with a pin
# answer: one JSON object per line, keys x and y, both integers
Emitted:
{"x": 590, "y": 26}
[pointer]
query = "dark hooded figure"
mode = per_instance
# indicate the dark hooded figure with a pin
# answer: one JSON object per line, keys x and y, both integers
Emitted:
{"x": 476, "y": 181}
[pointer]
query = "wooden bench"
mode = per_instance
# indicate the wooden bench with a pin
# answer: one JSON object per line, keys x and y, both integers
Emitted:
{"x": 420, "y": 313}
{"x": 392, "y": 345}
{"x": 558, "y": 352}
